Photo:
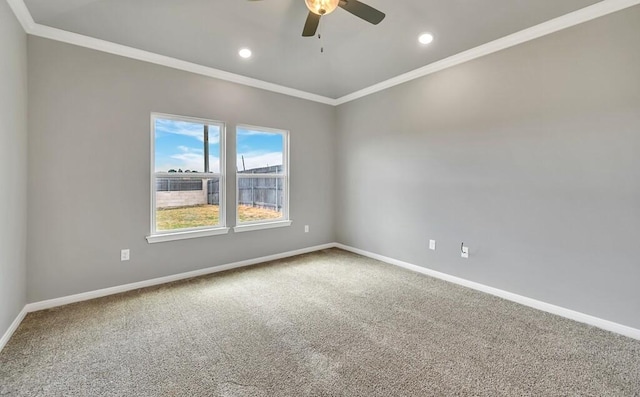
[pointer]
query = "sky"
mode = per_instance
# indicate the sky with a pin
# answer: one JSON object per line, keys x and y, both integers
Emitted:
{"x": 259, "y": 149}
{"x": 180, "y": 145}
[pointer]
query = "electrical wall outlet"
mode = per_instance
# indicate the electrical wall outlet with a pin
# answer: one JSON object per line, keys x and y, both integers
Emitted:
{"x": 432, "y": 245}
{"x": 465, "y": 252}
{"x": 306, "y": 228}
{"x": 125, "y": 255}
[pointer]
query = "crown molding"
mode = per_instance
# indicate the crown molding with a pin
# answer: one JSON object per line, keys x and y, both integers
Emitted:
{"x": 146, "y": 56}
{"x": 22, "y": 14}
{"x": 35, "y": 29}
{"x": 586, "y": 14}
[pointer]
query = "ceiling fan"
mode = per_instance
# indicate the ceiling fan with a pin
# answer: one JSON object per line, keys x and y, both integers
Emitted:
{"x": 318, "y": 8}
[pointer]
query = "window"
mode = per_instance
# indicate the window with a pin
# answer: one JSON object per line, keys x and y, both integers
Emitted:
{"x": 187, "y": 178}
{"x": 262, "y": 196}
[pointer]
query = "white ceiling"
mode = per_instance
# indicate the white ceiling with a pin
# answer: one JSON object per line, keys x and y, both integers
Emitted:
{"x": 356, "y": 54}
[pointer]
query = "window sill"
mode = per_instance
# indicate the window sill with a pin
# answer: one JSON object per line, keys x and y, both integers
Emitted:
{"x": 161, "y": 238}
{"x": 260, "y": 226}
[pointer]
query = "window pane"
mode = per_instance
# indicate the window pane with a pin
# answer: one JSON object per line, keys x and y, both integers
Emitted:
{"x": 260, "y": 199}
{"x": 182, "y": 146}
{"x": 187, "y": 202}
{"x": 259, "y": 152}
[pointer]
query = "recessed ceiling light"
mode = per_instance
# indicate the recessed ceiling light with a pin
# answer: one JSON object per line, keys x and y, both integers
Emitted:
{"x": 245, "y": 53}
{"x": 425, "y": 38}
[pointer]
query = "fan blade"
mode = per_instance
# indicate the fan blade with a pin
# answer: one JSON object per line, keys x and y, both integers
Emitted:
{"x": 363, "y": 11}
{"x": 310, "y": 27}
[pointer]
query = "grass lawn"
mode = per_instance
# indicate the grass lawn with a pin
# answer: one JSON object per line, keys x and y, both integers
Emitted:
{"x": 205, "y": 215}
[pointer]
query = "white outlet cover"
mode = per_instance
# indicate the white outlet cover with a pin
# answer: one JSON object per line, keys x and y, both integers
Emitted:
{"x": 125, "y": 255}
{"x": 432, "y": 245}
{"x": 465, "y": 252}
{"x": 306, "y": 228}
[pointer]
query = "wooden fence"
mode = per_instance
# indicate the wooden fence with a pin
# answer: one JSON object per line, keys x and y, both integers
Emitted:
{"x": 259, "y": 191}
{"x": 255, "y": 191}
{"x": 213, "y": 192}
{"x": 177, "y": 185}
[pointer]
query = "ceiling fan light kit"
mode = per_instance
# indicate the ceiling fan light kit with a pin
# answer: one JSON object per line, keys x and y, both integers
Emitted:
{"x": 322, "y": 7}
{"x": 318, "y": 8}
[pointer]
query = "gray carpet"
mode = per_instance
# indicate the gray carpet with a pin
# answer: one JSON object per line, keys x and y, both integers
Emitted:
{"x": 324, "y": 324}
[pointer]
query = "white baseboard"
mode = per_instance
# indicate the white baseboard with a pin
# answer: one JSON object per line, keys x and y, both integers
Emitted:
{"x": 536, "y": 304}
{"x": 523, "y": 300}
{"x": 12, "y": 328}
{"x": 65, "y": 300}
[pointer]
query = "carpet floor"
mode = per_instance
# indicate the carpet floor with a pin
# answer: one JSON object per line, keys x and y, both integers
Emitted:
{"x": 329, "y": 323}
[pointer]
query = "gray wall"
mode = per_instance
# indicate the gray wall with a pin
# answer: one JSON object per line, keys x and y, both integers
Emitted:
{"x": 89, "y": 168}
{"x": 531, "y": 156}
{"x": 13, "y": 162}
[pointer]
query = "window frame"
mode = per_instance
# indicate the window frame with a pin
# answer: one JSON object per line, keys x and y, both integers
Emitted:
{"x": 285, "y": 177}
{"x": 156, "y": 236}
